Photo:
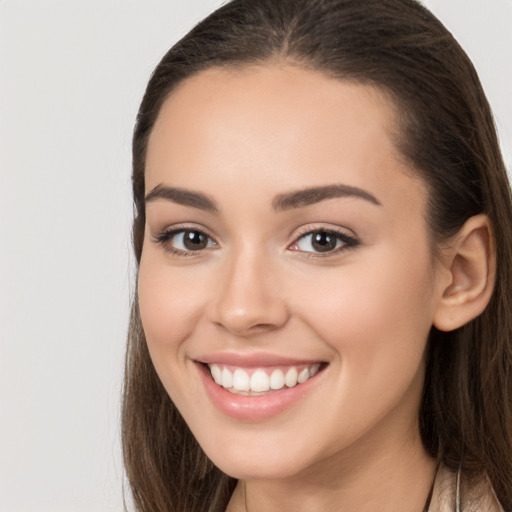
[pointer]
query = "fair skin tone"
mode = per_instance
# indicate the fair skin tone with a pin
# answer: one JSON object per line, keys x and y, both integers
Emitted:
{"x": 344, "y": 279}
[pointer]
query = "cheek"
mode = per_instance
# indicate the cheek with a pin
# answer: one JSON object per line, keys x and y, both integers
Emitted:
{"x": 385, "y": 290}
{"x": 171, "y": 302}
{"x": 376, "y": 314}
{"x": 376, "y": 327}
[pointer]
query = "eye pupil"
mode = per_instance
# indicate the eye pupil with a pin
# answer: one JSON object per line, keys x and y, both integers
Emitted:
{"x": 194, "y": 240}
{"x": 323, "y": 241}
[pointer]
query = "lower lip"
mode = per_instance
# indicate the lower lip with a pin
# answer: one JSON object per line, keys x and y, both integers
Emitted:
{"x": 254, "y": 408}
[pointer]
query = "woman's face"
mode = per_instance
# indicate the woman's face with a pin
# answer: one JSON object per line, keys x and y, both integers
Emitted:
{"x": 286, "y": 252}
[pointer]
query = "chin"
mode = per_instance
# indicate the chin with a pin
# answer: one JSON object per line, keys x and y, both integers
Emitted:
{"x": 255, "y": 470}
{"x": 259, "y": 460}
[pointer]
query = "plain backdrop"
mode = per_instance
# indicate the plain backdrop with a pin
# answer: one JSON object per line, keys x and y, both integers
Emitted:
{"x": 71, "y": 76}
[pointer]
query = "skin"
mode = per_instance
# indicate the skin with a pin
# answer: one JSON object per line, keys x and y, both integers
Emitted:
{"x": 243, "y": 137}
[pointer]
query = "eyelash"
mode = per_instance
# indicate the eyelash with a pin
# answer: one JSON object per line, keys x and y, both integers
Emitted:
{"x": 164, "y": 238}
{"x": 348, "y": 242}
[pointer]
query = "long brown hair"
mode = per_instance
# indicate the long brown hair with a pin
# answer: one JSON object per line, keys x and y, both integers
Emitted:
{"x": 447, "y": 133}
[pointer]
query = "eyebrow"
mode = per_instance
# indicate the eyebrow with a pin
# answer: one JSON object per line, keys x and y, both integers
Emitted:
{"x": 282, "y": 202}
{"x": 308, "y": 196}
{"x": 183, "y": 197}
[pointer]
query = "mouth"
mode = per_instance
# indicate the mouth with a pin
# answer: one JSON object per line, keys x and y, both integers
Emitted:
{"x": 258, "y": 386}
{"x": 261, "y": 381}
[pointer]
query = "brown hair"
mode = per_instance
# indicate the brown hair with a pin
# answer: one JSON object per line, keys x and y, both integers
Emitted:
{"x": 448, "y": 136}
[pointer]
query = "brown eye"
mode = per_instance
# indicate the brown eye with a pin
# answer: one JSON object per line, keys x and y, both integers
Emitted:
{"x": 184, "y": 241}
{"x": 323, "y": 241}
{"x": 194, "y": 240}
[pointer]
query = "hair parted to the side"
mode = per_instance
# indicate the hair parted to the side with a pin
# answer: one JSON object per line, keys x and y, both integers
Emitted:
{"x": 447, "y": 134}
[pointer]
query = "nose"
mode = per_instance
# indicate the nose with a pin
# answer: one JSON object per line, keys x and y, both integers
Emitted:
{"x": 249, "y": 299}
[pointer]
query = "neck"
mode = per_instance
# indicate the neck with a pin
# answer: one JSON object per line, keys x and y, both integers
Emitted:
{"x": 389, "y": 477}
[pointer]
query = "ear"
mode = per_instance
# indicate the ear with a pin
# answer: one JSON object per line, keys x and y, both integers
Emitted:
{"x": 471, "y": 261}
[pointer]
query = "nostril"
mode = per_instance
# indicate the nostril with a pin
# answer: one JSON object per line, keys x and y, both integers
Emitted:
{"x": 247, "y": 321}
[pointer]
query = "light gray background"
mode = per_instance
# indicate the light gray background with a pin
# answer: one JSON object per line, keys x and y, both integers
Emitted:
{"x": 71, "y": 76}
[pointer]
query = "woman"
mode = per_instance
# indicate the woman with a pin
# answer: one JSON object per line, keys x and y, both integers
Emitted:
{"x": 323, "y": 233}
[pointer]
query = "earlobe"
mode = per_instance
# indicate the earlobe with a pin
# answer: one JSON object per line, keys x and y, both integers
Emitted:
{"x": 472, "y": 265}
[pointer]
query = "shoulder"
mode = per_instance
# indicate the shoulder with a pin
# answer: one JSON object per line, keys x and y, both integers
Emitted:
{"x": 476, "y": 496}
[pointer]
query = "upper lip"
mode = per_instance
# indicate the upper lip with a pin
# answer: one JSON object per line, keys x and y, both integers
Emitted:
{"x": 253, "y": 360}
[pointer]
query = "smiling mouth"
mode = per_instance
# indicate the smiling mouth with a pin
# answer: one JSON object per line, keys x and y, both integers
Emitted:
{"x": 261, "y": 381}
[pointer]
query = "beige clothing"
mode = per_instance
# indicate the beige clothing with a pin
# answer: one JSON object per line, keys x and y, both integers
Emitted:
{"x": 475, "y": 498}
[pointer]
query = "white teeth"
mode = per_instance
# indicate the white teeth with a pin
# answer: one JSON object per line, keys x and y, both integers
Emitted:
{"x": 314, "y": 369}
{"x": 227, "y": 378}
{"x": 303, "y": 376}
{"x": 277, "y": 379}
{"x": 260, "y": 381}
{"x": 241, "y": 380}
{"x": 290, "y": 378}
{"x": 216, "y": 373}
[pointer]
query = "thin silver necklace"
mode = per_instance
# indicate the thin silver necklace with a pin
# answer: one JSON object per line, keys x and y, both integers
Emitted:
{"x": 457, "y": 493}
{"x": 458, "y": 507}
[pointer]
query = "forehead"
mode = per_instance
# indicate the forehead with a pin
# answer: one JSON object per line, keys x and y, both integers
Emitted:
{"x": 270, "y": 98}
{"x": 280, "y": 123}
